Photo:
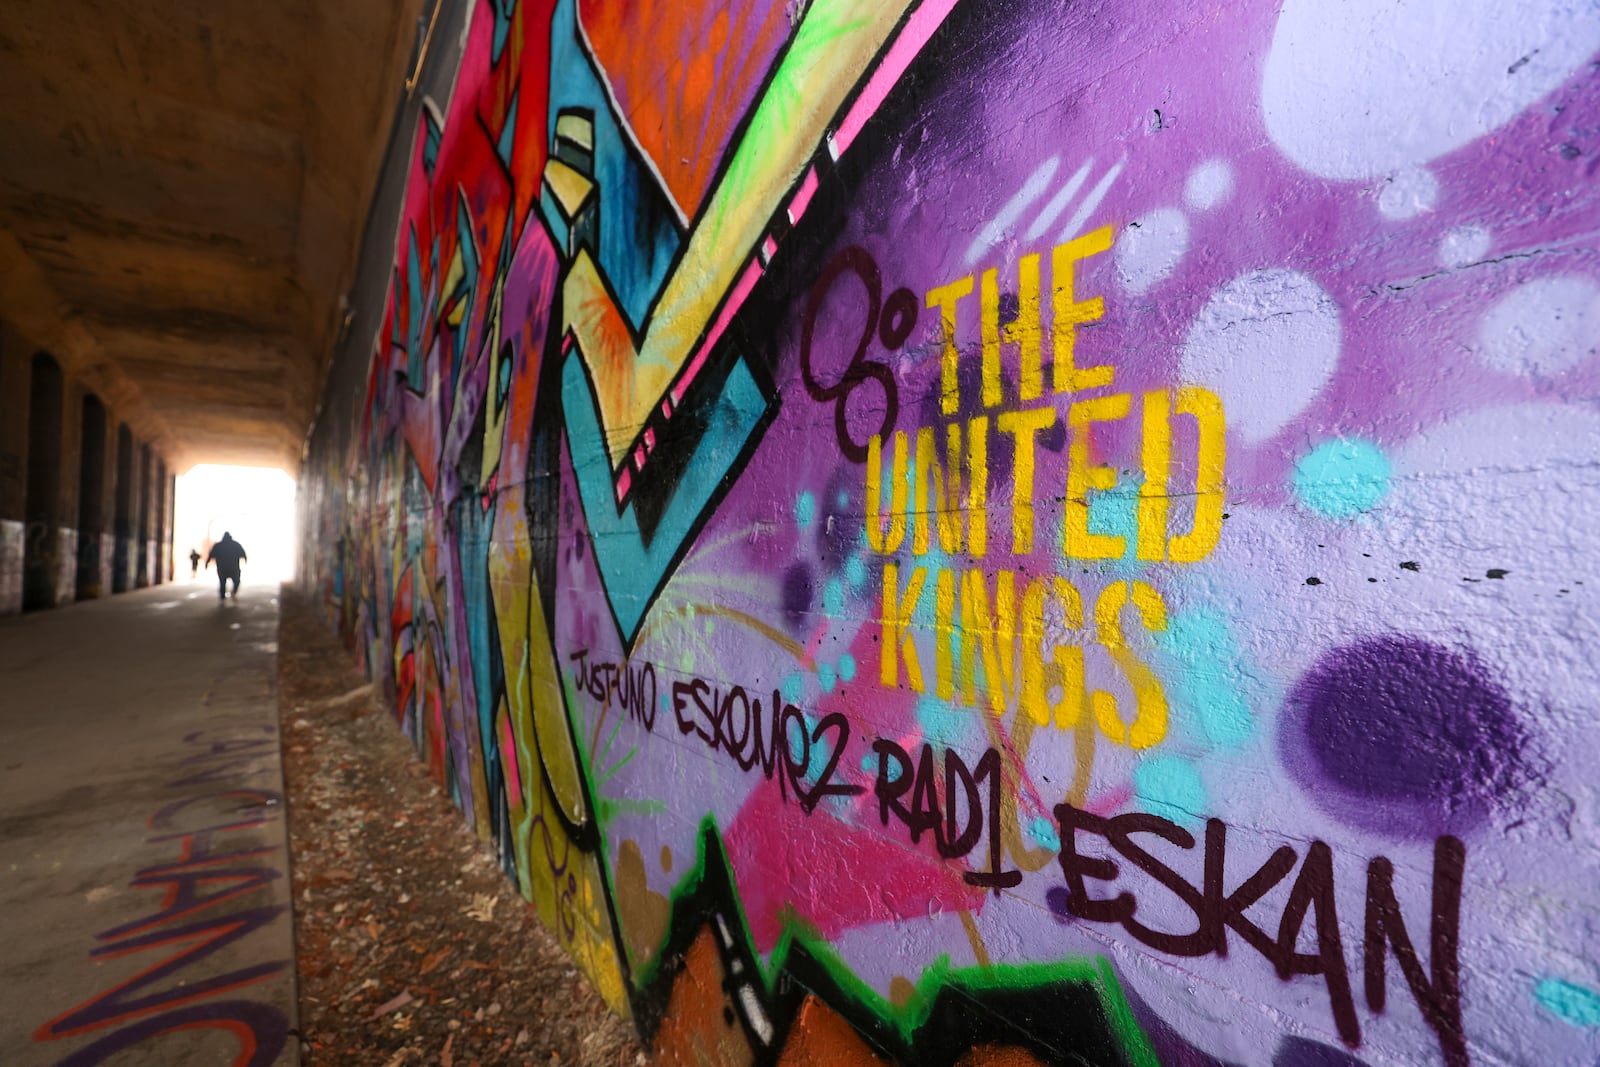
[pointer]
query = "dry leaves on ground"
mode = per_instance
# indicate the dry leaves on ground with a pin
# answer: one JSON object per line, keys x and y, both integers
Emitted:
{"x": 413, "y": 946}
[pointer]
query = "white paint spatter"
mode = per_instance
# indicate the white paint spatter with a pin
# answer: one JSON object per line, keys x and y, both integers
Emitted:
{"x": 1090, "y": 203}
{"x": 1542, "y": 327}
{"x": 1007, "y": 217}
{"x": 1057, "y": 204}
{"x": 1463, "y": 245}
{"x": 1208, "y": 185}
{"x": 1150, "y": 247}
{"x": 1366, "y": 88}
{"x": 1407, "y": 193}
{"x": 1267, "y": 342}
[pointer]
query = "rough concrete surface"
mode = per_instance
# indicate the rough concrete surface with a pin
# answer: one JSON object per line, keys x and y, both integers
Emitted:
{"x": 143, "y": 876}
{"x": 181, "y": 194}
{"x": 956, "y": 533}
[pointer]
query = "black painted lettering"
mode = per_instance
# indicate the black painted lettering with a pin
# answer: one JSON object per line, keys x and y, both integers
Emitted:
{"x": 925, "y": 814}
{"x": 1202, "y": 941}
{"x": 889, "y": 790}
{"x": 994, "y": 878}
{"x": 1438, "y": 994}
{"x": 826, "y": 786}
{"x": 1075, "y": 867}
{"x": 682, "y": 693}
{"x": 956, "y": 773}
{"x": 1314, "y": 889}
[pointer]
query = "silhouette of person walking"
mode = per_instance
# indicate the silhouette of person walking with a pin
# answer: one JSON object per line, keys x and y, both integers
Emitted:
{"x": 228, "y": 554}
{"x": 194, "y": 563}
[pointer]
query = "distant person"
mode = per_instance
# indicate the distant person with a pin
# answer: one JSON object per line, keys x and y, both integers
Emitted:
{"x": 228, "y": 554}
{"x": 194, "y": 564}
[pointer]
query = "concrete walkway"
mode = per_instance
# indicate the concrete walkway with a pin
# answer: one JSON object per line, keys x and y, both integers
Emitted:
{"x": 144, "y": 890}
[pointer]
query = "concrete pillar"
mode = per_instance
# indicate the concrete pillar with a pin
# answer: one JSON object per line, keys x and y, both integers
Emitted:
{"x": 108, "y": 508}
{"x": 67, "y": 492}
{"x": 123, "y": 555}
{"x": 92, "y": 515}
{"x": 13, "y": 465}
{"x": 42, "y": 547}
{"x": 172, "y": 525}
{"x": 143, "y": 549}
{"x": 158, "y": 531}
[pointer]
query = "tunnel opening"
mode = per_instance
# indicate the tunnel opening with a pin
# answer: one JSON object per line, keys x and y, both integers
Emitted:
{"x": 255, "y": 505}
{"x": 42, "y": 546}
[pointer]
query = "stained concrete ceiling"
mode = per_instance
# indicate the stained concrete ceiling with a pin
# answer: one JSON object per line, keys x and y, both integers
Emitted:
{"x": 182, "y": 192}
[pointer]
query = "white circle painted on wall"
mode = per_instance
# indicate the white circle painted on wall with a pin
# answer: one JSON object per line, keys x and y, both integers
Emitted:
{"x": 1407, "y": 193}
{"x": 1463, "y": 246}
{"x": 1542, "y": 327}
{"x": 1209, "y": 184}
{"x": 1150, "y": 248}
{"x": 1267, "y": 342}
{"x": 1366, "y": 88}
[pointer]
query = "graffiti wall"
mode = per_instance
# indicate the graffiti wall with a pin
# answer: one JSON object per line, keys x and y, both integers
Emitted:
{"x": 939, "y": 532}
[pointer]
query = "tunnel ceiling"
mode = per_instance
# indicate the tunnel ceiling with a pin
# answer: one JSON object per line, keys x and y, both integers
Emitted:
{"x": 182, "y": 190}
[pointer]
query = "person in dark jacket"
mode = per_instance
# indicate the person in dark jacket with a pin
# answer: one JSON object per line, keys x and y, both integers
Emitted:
{"x": 194, "y": 564}
{"x": 227, "y": 554}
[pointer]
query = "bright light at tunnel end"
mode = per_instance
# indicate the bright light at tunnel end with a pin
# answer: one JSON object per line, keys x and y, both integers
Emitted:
{"x": 254, "y": 504}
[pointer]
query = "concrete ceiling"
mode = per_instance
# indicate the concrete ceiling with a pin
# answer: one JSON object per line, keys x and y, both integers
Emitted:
{"x": 182, "y": 192}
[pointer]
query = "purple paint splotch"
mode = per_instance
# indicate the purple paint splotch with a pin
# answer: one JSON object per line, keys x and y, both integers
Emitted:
{"x": 1298, "y": 1052}
{"x": 1402, "y": 736}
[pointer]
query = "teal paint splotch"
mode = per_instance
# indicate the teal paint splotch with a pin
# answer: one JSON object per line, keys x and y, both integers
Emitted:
{"x": 1170, "y": 787}
{"x": 805, "y": 509}
{"x": 1205, "y": 686}
{"x": 931, "y": 564}
{"x": 793, "y": 688}
{"x": 855, "y": 572}
{"x": 826, "y": 677}
{"x": 833, "y": 598}
{"x": 1044, "y": 834}
{"x": 797, "y": 737}
{"x": 1342, "y": 478}
{"x": 943, "y": 724}
{"x": 1115, "y": 513}
{"x": 1568, "y": 1001}
{"x": 847, "y": 668}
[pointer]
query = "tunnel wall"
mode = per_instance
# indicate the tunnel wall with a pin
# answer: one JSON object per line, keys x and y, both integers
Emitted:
{"x": 1004, "y": 533}
{"x": 96, "y": 470}
{"x": 56, "y": 546}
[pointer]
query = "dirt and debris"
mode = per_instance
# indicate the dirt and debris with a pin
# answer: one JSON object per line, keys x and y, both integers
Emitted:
{"x": 413, "y": 947}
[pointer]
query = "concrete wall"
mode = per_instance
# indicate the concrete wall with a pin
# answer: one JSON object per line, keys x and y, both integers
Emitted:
{"x": 53, "y": 549}
{"x": 64, "y": 572}
{"x": 1006, "y": 533}
{"x": 96, "y": 509}
{"x": 14, "y": 382}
